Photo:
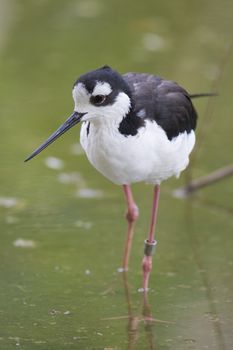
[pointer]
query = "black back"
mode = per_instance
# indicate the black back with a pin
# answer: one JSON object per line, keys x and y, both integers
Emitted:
{"x": 163, "y": 101}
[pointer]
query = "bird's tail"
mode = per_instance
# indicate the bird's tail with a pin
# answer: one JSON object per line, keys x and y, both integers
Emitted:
{"x": 203, "y": 94}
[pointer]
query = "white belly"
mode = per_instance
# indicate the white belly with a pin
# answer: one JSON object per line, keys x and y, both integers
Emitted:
{"x": 149, "y": 156}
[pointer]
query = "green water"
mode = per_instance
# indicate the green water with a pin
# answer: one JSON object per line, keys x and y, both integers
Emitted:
{"x": 62, "y": 290}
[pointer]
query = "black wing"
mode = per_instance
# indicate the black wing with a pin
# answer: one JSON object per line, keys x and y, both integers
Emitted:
{"x": 163, "y": 101}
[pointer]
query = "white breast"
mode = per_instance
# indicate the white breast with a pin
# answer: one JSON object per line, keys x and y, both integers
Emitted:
{"x": 149, "y": 156}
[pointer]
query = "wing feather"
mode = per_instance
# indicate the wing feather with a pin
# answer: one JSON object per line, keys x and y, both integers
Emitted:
{"x": 163, "y": 101}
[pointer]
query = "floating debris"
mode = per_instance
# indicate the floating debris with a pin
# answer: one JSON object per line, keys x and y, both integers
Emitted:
{"x": 87, "y": 272}
{"x": 83, "y": 224}
{"x": 8, "y": 202}
{"x": 24, "y": 243}
{"x": 54, "y": 312}
{"x": 89, "y": 193}
{"x": 143, "y": 290}
{"x": 122, "y": 269}
{"x": 16, "y": 339}
{"x": 100, "y": 334}
{"x": 54, "y": 163}
{"x": 70, "y": 178}
{"x": 67, "y": 312}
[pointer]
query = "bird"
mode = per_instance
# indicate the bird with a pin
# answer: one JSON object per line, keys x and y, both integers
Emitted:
{"x": 136, "y": 127}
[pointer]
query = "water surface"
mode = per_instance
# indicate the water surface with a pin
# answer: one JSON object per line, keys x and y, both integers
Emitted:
{"x": 62, "y": 223}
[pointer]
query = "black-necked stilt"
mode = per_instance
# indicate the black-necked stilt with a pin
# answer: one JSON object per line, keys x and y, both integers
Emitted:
{"x": 135, "y": 127}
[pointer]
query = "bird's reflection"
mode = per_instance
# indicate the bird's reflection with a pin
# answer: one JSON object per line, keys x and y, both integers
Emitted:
{"x": 134, "y": 320}
{"x": 138, "y": 320}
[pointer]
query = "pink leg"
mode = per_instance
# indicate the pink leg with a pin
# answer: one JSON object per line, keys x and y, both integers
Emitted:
{"x": 131, "y": 216}
{"x": 150, "y": 242}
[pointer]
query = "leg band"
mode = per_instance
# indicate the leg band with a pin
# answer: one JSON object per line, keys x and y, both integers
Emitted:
{"x": 149, "y": 247}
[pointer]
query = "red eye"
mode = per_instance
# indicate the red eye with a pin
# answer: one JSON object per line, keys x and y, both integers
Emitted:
{"x": 98, "y": 99}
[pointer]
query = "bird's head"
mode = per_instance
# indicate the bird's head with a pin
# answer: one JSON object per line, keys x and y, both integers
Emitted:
{"x": 99, "y": 95}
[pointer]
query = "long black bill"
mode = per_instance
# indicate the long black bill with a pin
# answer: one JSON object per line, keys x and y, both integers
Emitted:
{"x": 69, "y": 123}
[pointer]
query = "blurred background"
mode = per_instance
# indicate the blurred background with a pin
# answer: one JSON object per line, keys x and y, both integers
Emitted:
{"x": 62, "y": 226}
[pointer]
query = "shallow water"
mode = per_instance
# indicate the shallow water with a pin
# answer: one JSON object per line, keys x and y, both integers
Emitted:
{"x": 62, "y": 223}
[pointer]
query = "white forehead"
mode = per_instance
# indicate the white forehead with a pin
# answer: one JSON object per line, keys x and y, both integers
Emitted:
{"x": 102, "y": 88}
